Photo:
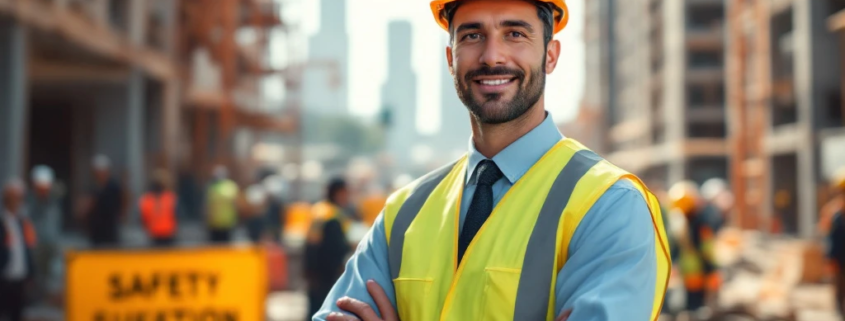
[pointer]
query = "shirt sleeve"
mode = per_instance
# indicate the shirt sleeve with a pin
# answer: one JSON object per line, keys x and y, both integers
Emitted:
{"x": 610, "y": 273}
{"x": 368, "y": 263}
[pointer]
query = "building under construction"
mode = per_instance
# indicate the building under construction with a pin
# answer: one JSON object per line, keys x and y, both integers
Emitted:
{"x": 148, "y": 83}
{"x": 746, "y": 90}
{"x": 786, "y": 109}
{"x": 656, "y": 81}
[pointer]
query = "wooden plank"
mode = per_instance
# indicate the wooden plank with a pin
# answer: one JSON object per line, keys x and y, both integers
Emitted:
{"x": 51, "y": 71}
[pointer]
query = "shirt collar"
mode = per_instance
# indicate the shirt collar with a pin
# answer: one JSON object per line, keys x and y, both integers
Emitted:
{"x": 515, "y": 160}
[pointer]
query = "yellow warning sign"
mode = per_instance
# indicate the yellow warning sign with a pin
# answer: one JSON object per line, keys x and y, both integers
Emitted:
{"x": 214, "y": 284}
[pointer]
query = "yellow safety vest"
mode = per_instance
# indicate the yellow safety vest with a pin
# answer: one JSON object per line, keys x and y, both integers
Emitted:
{"x": 321, "y": 213}
{"x": 509, "y": 270}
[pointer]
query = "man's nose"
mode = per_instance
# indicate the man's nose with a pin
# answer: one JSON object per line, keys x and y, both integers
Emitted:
{"x": 494, "y": 53}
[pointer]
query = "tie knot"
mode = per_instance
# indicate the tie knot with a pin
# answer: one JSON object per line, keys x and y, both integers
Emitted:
{"x": 487, "y": 173}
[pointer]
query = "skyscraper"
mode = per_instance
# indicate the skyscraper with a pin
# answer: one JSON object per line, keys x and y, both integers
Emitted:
{"x": 330, "y": 44}
{"x": 399, "y": 95}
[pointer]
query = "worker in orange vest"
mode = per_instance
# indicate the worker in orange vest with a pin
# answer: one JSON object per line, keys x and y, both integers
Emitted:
{"x": 158, "y": 208}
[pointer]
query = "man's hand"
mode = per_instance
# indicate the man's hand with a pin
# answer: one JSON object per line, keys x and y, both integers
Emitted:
{"x": 363, "y": 310}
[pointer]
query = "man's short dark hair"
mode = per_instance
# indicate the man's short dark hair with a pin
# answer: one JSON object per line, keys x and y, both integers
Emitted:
{"x": 545, "y": 11}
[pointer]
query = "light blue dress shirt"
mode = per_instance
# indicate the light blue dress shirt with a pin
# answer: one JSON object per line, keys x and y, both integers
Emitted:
{"x": 610, "y": 272}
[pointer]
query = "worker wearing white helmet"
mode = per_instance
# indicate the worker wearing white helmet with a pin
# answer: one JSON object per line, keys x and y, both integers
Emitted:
{"x": 718, "y": 193}
{"x": 45, "y": 210}
{"x": 528, "y": 224}
{"x": 106, "y": 205}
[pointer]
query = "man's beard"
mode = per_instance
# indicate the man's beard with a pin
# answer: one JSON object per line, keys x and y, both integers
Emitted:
{"x": 496, "y": 110}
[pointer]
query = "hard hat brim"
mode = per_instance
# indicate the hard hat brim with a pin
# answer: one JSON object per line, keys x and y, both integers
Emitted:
{"x": 437, "y": 7}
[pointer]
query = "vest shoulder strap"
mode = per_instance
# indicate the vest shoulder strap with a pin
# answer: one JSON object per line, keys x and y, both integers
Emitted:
{"x": 402, "y": 208}
{"x": 600, "y": 177}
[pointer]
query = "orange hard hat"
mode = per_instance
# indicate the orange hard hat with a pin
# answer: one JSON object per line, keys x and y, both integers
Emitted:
{"x": 684, "y": 196}
{"x": 561, "y": 17}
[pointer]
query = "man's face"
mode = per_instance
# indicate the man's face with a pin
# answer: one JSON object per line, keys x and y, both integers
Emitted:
{"x": 101, "y": 175}
{"x": 12, "y": 199}
{"x": 342, "y": 197}
{"x": 498, "y": 58}
{"x": 42, "y": 188}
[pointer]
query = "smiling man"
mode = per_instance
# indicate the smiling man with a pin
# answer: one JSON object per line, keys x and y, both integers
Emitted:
{"x": 528, "y": 225}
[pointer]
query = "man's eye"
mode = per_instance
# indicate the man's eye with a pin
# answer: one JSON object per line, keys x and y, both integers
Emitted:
{"x": 517, "y": 34}
{"x": 472, "y": 36}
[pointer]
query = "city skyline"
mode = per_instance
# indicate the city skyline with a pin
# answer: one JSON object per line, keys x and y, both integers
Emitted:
{"x": 368, "y": 52}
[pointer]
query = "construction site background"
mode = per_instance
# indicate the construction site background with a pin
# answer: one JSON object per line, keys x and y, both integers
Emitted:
{"x": 749, "y": 91}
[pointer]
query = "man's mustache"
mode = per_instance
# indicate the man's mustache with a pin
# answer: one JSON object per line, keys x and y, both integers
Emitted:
{"x": 495, "y": 71}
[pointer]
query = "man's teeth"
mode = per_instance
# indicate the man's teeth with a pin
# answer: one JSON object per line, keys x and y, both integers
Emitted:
{"x": 495, "y": 82}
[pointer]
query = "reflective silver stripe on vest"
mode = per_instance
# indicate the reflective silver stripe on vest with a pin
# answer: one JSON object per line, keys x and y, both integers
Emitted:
{"x": 408, "y": 212}
{"x": 532, "y": 296}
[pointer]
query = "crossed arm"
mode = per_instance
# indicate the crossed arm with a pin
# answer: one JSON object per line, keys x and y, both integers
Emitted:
{"x": 610, "y": 273}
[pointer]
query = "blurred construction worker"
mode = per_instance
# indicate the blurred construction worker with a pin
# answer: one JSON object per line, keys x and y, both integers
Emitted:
{"x": 221, "y": 206}
{"x": 158, "y": 208}
{"x": 716, "y": 193}
{"x": 254, "y": 210}
{"x": 696, "y": 238}
{"x": 326, "y": 244}
{"x": 836, "y": 243}
{"x": 44, "y": 210}
{"x": 17, "y": 267}
{"x": 106, "y": 205}
{"x": 276, "y": 210}
{"x": 528, "y": 225}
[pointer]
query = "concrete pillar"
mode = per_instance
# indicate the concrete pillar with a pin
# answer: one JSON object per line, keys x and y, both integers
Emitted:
{"x": 804, "y": 76}
{"x": 171, "y": 120}
{"x": 119, "y": 129}
{"x": 674, "y": 76}
{"x": 135, "y": 131}
{"x": 13, "y": 98}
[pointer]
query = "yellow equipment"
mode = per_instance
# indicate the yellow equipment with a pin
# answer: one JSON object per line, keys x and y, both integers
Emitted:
{"x": 684, "y": 196}
{"x": 561, "y": 17}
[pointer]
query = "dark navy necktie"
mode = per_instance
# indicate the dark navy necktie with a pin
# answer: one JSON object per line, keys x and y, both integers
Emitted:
{"x": 486, "y": 173}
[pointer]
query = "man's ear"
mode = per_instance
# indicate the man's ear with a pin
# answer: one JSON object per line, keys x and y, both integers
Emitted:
{"x": 449, "y": 60}
{"x": 552, "y": 55}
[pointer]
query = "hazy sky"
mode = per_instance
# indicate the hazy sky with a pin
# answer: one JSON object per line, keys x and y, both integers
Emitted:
{"x": 368, "y": 56}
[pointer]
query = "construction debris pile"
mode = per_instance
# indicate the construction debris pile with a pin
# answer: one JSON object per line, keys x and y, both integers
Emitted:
{"x": 774, "y": 277}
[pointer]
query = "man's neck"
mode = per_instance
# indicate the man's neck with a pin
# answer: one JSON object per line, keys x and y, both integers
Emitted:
{"x": 490, "y": 139}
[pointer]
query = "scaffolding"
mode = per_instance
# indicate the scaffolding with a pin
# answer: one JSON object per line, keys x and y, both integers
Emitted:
{"x": 749, "y": 93}
{"x": 233, "y": 36}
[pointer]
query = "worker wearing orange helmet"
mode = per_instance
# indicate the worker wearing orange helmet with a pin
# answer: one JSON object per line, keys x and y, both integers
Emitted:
{"x": 836, "y": 242}
{"x": 696, "y": 239}
{"x": 528, "y": 224}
